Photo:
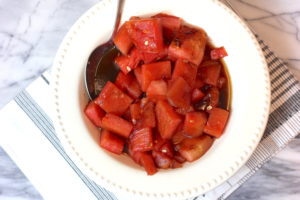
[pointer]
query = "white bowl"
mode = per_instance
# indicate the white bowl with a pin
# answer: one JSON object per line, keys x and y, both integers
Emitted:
{"x": 249, "y": 110}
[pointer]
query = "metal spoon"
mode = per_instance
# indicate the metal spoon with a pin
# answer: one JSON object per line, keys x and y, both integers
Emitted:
{"x": 101, "y": 67}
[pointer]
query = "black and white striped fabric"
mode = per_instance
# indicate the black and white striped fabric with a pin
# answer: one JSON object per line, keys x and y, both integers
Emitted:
{"x": 44, "y": 123}
{"x": 283, "y": 125}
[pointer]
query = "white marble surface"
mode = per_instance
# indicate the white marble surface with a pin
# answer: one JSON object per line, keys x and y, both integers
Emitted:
{"x": 13, "y": 183}
{"x": 278, "y": 23}
{"x": 31, "y": 31}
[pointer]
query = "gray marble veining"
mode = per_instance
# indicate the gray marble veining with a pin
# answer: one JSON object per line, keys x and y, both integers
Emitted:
{"x": 31, "y": 31}
{"x": 13, "y": 183}
{"x": 278, "y": 23}
{"x": 278, "y": 179}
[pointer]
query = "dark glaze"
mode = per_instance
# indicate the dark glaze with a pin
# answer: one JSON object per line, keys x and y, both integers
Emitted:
{"x": 225, "y": 91}
{"x": 102, "y": 69}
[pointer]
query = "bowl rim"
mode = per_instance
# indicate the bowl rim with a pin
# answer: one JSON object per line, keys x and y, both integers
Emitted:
{"x": 58, "y": 123}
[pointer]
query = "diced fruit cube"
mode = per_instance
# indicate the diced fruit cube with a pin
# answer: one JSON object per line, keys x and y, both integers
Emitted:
{"x": 111, "y": 142}
{"x": 178, "y": 137}
{"x": 123, "y": 63}
{"x": 135, "y": 18}
{"x": 209, "y": 62}
{"x": 135, "y": 112}
{"x": 141, "y": 140}
{"x": 197, "y": 95}
{"x": 186, "y": 70}
{"x": 193, "y": 148}
{"x": 163, "y": 145}
{"x": 94, "y": 113}
{"x": 218, "y": 53}
{"x": 138, "y": 75}
{"x": 130, "y": 62}
{"x": 144, "y": 101}
{"x": 152, "y": 57}
{"x": 211, "y": 98}
{"x": 135, "y": 155}
{"x": 179, "y": 158}
{"x": 129, "y": 84}
{"x": 146, "y": 34}
{"x": 213, "y": 94}
{"x": 210, "y": 74}
{"x": 147, "y": 116}
{"x": 113, "y": 100}
{"x": 134, "y": 58}
{"x": 167, "y": 149}
{"x": 183, "y": 111}
{"x": 122, "y": 40}
{"x": 189, "y": 44}
{"x": 199, "y": 83}
{"x": 168, "y": 21}
{"x": 170, "y": 25}
{"x": 123, "y": 81}
{"x": 158, "y": 140}
{"x": 179, "y": 93}
{"x": 147, "y": 162}
{"x": 155, "y": 71}
{"x": 157, "y": 90}
{"x": 134, "y": 90}
{"x": 175, "y": 164}
{"x": 194, "y": 123}
{"x": 144, "y": 159}
{"x": 167, "y": 119}
{"x": 117, "y": 125}
{"x": 216, "y": 122}
{"x": 127, "y": 115}
{"x": 161, "y": 160}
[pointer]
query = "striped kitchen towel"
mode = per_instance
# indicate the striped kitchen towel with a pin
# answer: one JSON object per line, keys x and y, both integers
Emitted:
{"x": 32, "y": 143}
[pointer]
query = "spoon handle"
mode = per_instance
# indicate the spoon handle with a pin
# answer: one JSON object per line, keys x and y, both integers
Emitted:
{"x": 118, "y": 17}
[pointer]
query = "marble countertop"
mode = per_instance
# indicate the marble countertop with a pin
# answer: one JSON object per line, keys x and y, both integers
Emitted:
{"x": 31, "y": 32}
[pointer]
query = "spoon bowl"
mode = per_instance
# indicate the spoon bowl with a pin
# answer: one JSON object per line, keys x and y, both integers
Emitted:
{"x": 100, "y": 67}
